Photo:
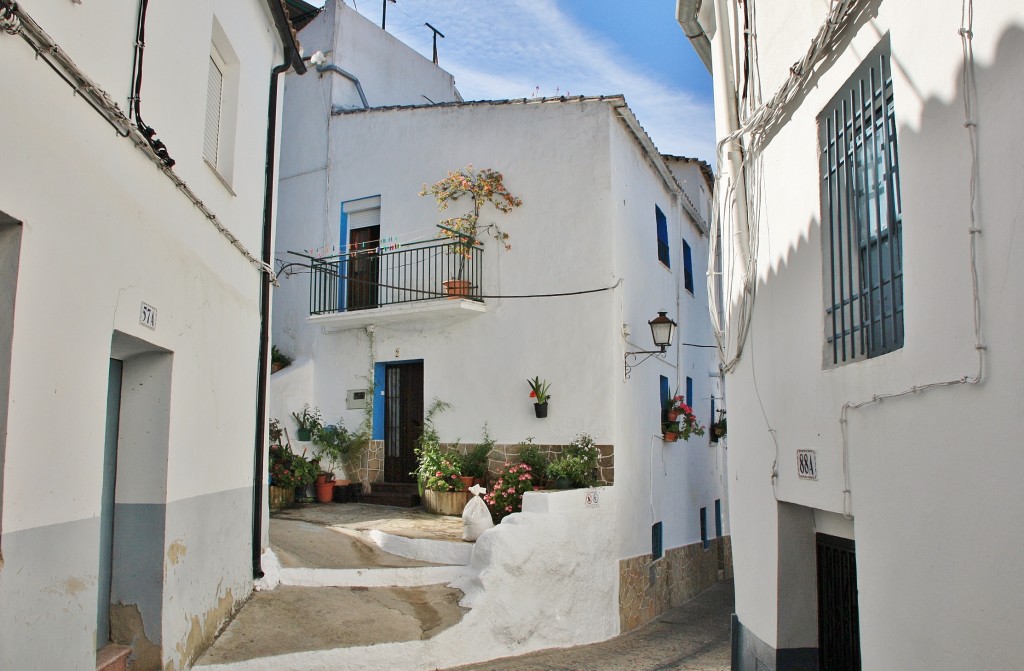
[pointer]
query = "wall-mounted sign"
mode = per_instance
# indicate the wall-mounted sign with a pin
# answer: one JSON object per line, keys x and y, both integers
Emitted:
{"x": 592, "y": 499}
{"x": 147, "y": 316}
{"x": 807, "y": 464}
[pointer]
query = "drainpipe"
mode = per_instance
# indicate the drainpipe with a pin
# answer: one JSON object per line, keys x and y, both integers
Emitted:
{"x": 331, "y": 67}
{"x": 731, "y": 151}
{"x": 290, "y": 58}
{"x": 686, "y": 15}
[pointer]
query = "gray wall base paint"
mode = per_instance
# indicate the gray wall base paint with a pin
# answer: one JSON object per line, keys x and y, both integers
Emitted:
{"x": 48, "y": 597}
{"x": 750, "y": 653}
{"x": 138, "y": 562}
{"x": 48, "y": 592}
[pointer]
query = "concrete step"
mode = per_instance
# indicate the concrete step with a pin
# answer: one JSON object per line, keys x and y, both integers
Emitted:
{"x": 293, "y": 619}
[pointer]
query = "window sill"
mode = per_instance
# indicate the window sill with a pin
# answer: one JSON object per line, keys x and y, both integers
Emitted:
{"x": 220, "y": 177}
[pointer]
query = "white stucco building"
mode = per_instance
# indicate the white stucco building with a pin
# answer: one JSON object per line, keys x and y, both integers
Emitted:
{"x": 131, "y": 274}
{"x": 874, "y": 393}
{"x": 617, "y": 231}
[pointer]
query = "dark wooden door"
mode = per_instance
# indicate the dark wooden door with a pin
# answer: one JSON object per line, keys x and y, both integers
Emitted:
{"x": 403, "y": 419}
{"x": 363, "y": 267}
{"x": 838, "y": 615}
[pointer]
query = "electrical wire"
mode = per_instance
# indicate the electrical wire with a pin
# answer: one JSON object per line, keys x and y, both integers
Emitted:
{"x": 966, "y": 33}
{"x": 13, "y": 17}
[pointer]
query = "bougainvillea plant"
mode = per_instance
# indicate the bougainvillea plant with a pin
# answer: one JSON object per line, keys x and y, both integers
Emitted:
{"x": 506, "y": 495}
{"x": 481, "y": 187}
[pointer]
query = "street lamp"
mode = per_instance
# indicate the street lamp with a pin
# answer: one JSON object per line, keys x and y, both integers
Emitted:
{"x": 663, "y": 330}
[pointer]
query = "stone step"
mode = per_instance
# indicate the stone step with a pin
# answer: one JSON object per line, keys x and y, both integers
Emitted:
{"x": 399, "y": 499}
{"x": 395, "y": 488}
{"x": 113, "y": 658}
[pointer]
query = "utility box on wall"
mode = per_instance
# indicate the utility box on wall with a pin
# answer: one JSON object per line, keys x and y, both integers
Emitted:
{"x": 356, "y": 399}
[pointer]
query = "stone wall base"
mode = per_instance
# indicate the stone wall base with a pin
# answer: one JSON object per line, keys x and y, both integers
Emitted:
{"x": 649, "y": 588}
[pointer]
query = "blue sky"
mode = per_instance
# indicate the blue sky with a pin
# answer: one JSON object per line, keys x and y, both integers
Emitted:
{"x": 518, "y": 48}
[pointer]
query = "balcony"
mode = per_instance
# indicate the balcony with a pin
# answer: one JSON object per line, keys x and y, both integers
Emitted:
{"x": 435, "y": 281}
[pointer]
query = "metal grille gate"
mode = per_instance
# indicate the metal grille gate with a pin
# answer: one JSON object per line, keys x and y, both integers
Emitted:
{"x": 838, "y": 617}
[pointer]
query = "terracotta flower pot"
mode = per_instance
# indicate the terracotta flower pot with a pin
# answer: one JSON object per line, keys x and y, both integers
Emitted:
{"x": 670, "y": 437}
{"x": 467, "y": 482}
{"x": 673, "y": 416}
{"x": 325, "y": 491}
{"x": 457, "y": 288}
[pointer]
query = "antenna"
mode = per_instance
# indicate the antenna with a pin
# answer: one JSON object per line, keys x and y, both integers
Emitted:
{"x": 384, "y": 13}
{"x": 436, "y": 33}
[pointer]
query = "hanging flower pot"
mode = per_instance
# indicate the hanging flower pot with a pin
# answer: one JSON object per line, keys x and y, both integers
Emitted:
{"x": 670, "y": 437}
{"x": 672, "y": 416}
{"x": 539, "y": 394}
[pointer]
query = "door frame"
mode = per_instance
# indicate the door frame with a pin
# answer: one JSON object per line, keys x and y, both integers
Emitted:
{"x": 398, "y": 467}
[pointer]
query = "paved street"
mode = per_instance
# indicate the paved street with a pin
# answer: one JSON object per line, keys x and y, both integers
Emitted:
{"x": 692, "y": 637}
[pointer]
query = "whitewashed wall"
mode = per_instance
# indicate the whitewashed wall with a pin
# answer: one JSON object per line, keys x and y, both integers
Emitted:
{"x": 104, "y": 230}
{"x": 933, "y": 474}
{"x": 573, "y": 232}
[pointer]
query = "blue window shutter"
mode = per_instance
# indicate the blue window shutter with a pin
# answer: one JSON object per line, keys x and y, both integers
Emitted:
{"x": 689, "y": 391}
{"x": 666, "y": 392}
{"x": 704, "y": 528}
{"x": 663, "y": 255}
{"x": 718, "y": 518}
{"x": 712, "y": 411}
{"x": 687, "y": 267}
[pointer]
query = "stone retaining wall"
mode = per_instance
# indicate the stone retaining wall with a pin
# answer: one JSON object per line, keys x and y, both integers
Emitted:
{"x": 681, "y": 574}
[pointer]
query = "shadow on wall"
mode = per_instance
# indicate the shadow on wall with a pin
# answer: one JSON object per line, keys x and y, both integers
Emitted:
{"x": 935, "y": 192}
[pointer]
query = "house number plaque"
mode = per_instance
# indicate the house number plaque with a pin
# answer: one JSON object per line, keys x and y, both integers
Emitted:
{"x": 147, "y": 316}
{"x": 807, "y": 464}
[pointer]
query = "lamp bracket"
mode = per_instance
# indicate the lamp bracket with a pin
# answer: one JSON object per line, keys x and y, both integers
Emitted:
{"x": 629, "y": 367}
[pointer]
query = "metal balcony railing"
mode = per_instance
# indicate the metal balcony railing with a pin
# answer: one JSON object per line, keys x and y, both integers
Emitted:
{"x": 376, "y": 277}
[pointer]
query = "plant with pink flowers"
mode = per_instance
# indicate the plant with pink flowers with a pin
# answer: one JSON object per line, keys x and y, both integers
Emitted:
{"x": 506, "y": 494}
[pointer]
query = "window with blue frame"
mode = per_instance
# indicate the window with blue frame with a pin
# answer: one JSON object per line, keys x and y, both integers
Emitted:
{"x": 689, "y": 391}
{"x": 662, "y": 222}
{"x": 687, "y": 267}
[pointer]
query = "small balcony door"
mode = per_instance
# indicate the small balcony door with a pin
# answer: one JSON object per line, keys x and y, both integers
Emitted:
{"x": 363, "y": 267}
{"x": 403, "y": 419}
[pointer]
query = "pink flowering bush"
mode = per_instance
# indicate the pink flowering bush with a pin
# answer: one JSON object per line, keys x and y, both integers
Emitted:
{"x": 480, "y": 187}
{"x": 506, "y": 494}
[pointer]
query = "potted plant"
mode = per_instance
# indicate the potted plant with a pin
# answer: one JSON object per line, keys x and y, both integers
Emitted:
{"x": 309, "y": 421}
{"x": 670, "y": 431}
{"x": 539, "y": 392}
{"x": 718, "y": 429}
{"x": 576, "y": 465}
{"x": 288, "y": 472}
{"x": 481, "y": 187}
{"x": 474, "y": 463}
{"x": 506, "y": 496}
{"x": 437, "y": 469}
{"x": 275, "y": 432}
{"x": 685, "y": 423}
{"x": 531, "y": 455}
{"x": 278, "y": 360}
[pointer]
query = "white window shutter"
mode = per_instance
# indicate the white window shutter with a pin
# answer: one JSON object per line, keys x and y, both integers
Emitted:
{"x": 364, "y": 218}
{"x": 211, "y": 135}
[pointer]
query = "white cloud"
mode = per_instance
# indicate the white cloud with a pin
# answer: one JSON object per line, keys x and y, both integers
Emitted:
{"x": 509, "y": 48}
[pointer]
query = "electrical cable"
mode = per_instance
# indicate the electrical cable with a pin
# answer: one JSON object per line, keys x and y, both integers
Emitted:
{"x": 14, "y": 18}
{"x": 966, "y": 33}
